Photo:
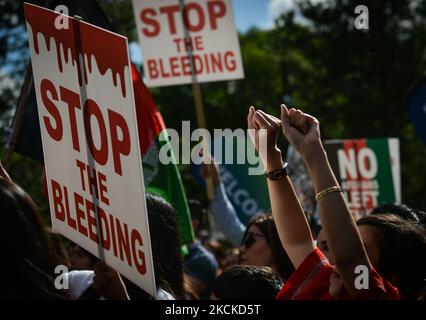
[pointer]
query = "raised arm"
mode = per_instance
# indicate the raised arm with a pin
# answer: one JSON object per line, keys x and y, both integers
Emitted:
{"x": 302, "y": 130}
{"x": 223, "y": 211}
{"x": 290, "y": 220}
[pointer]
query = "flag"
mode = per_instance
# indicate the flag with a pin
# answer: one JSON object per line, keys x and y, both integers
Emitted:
{"x": 163, "y": 180}
{"x": 417, "y": 109}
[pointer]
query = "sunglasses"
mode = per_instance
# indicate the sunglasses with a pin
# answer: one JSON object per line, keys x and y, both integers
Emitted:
{"x": 250, "y": 238}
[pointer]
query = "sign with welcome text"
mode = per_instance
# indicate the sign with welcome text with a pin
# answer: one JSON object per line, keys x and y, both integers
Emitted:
{"x": 248, "y": 193}
{"x": 368, "y": 171}
{"x": 90, "y": 141}
{"x": 180, "y": 36}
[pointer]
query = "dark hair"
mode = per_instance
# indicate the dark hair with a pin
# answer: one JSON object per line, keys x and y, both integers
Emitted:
{"x": 166, "y": 250}
{"x": 60, "y": 253}
{"x": 166, "y": 245}
{"x": 402, "y": 246}
{"x": 265, "y": 222}
{"x": 244, "y": 282}
{"x": 402, "y": 211}
{"x": 29, "y": 251}
{"x": 197, "y": 210}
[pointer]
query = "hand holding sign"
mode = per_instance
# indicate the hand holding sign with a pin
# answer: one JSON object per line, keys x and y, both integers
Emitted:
{"x": 108, "y": 283}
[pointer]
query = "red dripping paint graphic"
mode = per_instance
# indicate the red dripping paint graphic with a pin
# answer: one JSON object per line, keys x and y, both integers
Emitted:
{"x": 357, "y": 146}
{"x": 108, "y": 49}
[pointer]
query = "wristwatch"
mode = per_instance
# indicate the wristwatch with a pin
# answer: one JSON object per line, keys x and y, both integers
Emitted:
{"x": 277, "y": 174}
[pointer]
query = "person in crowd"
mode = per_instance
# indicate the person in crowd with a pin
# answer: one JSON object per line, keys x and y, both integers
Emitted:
{"x": 400, "y": 224}
{"x": 223, "y": 211}
{"x": 396, "y": 247}
{"x": 409, "y": 214}
{"x": 224, "y": 214}
{"x": 36, "y": 251}
{"x": 244, "y": 282}
{"x": 405, "y": 275}
{"x": 322, "y": 244}
{"x": 315, "y": 277}
{"x": 261, "y": 246}
{"x": 193, "y": 288}
{"x": 29, "y": 270}
{"x": 167, "y": 258}
{"x": 258, "y": 242}
{"x": 226, "y": 254}
{"x": 396, "y": 221}
{"x": 200, "y": 264}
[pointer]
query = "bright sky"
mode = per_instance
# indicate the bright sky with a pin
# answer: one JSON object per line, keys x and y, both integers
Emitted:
{"x": 260, "y": 13}
{"x": 247, "y": 13}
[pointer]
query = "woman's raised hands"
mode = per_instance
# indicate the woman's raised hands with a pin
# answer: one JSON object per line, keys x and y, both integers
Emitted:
{"x": 300, "y": 129}
{"x": 263, "y": 131}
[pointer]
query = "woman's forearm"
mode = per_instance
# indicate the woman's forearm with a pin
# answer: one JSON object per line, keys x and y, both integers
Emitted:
{"x": 292, "y": 226}
{"x": 339, "y": 226}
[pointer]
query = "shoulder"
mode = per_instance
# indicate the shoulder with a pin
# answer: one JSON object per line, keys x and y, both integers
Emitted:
{"x": 380, "y": 288}
{"x": 311, "y": 280}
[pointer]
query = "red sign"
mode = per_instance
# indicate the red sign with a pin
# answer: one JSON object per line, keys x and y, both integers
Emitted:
{"x": 90, "y": 141}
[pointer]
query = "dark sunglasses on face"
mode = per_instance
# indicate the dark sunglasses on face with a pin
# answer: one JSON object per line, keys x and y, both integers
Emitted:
{"x": 250, "y": 238}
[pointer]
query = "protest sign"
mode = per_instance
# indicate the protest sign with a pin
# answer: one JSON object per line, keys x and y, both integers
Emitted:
{"x": 180, "y": 36}
{"x": 90, "y": 141}
{"x": 368, "y": 171}
{"x": 247, "y": 192}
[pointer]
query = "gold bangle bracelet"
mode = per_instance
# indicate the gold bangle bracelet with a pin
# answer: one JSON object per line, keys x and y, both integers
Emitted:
{"x": 327, "y": 191}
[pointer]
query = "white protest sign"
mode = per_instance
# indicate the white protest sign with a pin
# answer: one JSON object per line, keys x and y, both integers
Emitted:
{"x": 90, "y": 141}
{"x": 177, "y": 34}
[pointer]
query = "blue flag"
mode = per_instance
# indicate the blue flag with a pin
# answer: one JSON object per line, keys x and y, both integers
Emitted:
{"x": 417, "y": 109}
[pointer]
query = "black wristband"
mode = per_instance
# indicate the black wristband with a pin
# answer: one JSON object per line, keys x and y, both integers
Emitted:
{"x": 277, "y": 174}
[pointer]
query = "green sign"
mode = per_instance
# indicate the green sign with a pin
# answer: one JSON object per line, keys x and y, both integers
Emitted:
{"x": 368, "y": 171}
{"x": 247, "y": 192}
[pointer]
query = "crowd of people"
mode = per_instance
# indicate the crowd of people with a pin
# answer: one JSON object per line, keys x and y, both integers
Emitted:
{"x": 277, "y": 255}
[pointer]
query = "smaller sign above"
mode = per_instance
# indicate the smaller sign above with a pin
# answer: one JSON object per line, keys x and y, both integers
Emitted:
{"x": 177, "y": 37}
